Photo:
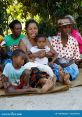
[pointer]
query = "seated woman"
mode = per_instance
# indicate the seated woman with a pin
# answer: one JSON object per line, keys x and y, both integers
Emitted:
{"x": 12, "y": 40}
{"x": 29, "y": 41}
{"x": 68, "y": 52}
{"x": 76, "y": 34}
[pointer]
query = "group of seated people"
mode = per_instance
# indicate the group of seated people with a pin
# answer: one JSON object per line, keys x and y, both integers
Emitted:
{"x": 34, "y": 60}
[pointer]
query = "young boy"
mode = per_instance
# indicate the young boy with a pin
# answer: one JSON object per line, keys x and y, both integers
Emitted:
{"x": 14, "y": 77}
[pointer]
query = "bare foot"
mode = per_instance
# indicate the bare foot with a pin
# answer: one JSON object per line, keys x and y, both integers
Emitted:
{"x": 61, "y": 73}
{"x": 67, "y": 79}
{"x": 48, "y": 85}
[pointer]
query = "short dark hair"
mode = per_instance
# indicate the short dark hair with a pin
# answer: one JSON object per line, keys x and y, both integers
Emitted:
{"x": 17, "y": 53}
{"x": 39, "y": 36}
{"x": 29, "y": 22}
{"x": 13, "y": 23}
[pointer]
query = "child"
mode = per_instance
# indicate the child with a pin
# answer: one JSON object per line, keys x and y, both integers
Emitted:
{"x": 43, "y": 50}
{"x": 14, "y": 77}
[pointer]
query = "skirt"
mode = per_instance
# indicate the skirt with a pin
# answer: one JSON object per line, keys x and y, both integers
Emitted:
{"x": 72, "y": 70}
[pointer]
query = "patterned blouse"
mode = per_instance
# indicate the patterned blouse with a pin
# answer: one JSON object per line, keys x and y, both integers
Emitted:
{"x": 69, "y": 51}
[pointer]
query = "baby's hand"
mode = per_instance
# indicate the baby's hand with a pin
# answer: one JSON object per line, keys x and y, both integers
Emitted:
{"x": 42, "y": 54}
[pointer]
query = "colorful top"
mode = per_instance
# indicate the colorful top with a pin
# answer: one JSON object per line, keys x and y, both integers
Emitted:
{"x": 13, "y": 74}
{"x": 13, "y": 43}
{"x": 69, "y": 51}
{"x": 78, "y": 37}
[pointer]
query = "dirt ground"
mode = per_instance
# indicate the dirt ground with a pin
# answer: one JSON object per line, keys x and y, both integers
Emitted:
{"x": 67, "y": 100}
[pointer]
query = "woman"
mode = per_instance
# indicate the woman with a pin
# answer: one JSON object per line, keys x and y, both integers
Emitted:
{"x": 12, "y": 40}
{"x": 67, "y": 49}
{"x": 75, "y": 33}
{"x": 28, "y": 41}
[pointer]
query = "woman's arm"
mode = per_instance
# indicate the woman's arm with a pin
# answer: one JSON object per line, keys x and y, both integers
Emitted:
{"x": 22, "y": 46}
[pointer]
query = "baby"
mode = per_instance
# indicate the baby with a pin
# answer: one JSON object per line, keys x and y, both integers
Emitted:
{"x": 42, "y": 48}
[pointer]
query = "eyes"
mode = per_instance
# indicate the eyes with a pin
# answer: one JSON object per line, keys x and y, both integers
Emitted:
{"x": 67, "y": 26}
{"x": 33, "y": 28}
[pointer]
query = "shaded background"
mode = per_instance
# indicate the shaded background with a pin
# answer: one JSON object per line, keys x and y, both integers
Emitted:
{"x": 45, "y": 12}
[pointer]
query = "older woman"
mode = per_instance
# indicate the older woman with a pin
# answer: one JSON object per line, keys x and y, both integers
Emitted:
{"x": 67, "y": 49}
{"x": 75, "y": 33}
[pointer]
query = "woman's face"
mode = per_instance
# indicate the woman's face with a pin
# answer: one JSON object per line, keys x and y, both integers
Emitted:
{"x": 32, "y": 30}
{"x": 66, "y": 29}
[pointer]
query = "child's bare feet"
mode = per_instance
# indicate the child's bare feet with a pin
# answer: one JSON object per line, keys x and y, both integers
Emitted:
{"x": 61, "y": 73}
{"x": 48, "y": 85}
{"x": 67, "y": 79}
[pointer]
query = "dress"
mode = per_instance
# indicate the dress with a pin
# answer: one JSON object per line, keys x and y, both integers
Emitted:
{"x": 70, "y": 52}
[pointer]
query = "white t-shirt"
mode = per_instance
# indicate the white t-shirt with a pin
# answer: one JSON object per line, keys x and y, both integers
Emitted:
{"x": 43, "y": 60}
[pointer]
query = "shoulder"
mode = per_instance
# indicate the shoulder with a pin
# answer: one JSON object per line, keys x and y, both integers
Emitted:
{"x": 55, "y": 39}
{"x": 7, "y": 36}
{"x": 73, "y": 41}
{"x": 8, "y": 65}
{"x": 7, "y": 69}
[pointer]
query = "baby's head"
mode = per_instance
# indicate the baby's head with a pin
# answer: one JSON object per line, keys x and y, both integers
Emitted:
{"x": 41, "y": 41}
{"x": 18, "y": 57}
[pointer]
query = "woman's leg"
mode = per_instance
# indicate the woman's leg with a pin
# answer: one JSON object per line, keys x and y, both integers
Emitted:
{"x": 72, "y": 70}
{"x": 67, "y": 79}
{"x": 47, "y": 84}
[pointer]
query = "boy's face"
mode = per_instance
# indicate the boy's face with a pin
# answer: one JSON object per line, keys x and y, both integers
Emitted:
{"x": 19, "y": 60}
{"x": 41, "y": 42}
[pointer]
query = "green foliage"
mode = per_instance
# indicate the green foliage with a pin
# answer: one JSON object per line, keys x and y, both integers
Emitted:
{"x": 45, "y": 12}
{"x": 3, "y": 16}
{"x": 51, "y": 10}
